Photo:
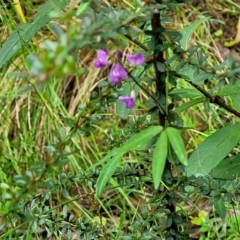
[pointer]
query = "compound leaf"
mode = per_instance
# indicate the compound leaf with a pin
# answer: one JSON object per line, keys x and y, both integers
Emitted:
{"x": 136, "y": 142}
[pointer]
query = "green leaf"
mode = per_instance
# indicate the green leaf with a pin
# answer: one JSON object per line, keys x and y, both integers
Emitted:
{"x": 233, "y": 72}
{"x": 5, "y": 207}
{"x": 159, "y": 159}
{"x": 218, "y": 33}
{"x": 161, "y": 67}
{"x": 236, "y": 101}
{"x": 188, "y": 31}
{"x": 189, "y": 104}
{"x": 213, "y": 150}
{"x": 26, "y": 31}
{"x": 136, "y": 142}
{"x": 105, "y": 174}
{"x": 175, "y": 119}
{"x": 220, "y": 208}
{"x": 228, "y": 169}
{"x": 82, "y": 7}
{"x": 185, "y": 93}
{"x": 23, "y": 91}
{"x": 229, "y": 43}
{"x": 229, "y": 89}
{"x": 122, "y": 221}
{"x": 189, "y": 72}
{"x": 177, "y": 144}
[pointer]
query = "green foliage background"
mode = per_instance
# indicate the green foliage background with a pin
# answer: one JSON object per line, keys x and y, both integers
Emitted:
{"x": 76, "y": 164}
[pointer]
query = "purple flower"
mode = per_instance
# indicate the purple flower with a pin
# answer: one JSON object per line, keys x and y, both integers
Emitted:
{"x": 118, "y": 73}
{"x": 135, "y": 59}
{"x": 129, "y": 101}
{"x": 119, "y": 54}
{"x": 101, "y": 61}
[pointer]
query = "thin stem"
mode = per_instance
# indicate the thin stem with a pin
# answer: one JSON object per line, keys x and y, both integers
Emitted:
{"x": 215, "y": 99}
{"x": 136, "y": 42}
{"x": 149, "y": 94}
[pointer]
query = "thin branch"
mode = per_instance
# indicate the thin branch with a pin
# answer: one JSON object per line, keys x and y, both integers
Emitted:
{"x": 149, "y": 94}
{"x": 136, "y": 42}
{"x": 215, "y": 99}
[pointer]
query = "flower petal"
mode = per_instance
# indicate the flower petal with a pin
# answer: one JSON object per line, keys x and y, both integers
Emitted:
{"x": 98, "y": 64}
{"x": 119, "y": 54}
{"x": 101, "y": 61}
{"x": 135, "y": 59}
{"x": 128, "y": 101}
{"x": 117, "y": 73}
{"x": 102, "y": 55}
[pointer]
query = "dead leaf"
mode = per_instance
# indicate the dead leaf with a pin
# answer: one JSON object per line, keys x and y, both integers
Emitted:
{"x": 237, "y": 38}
